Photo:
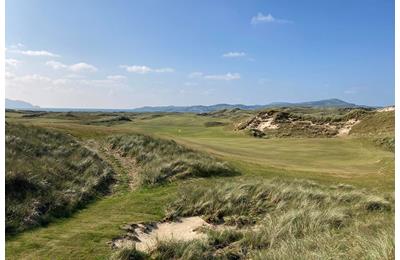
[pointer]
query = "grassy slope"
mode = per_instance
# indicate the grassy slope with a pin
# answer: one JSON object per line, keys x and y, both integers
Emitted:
{"x": 328, "y": 160}
{"x": 48, "y": 175}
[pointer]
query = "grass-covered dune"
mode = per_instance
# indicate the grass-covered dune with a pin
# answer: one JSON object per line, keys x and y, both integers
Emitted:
{"x": 281, "y": 220}
{"x": 48, "y": 175}
{"x": 378, "y": 123}
{"x": 161, "y": 160}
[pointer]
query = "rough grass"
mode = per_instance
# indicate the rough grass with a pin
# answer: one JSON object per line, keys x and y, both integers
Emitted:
{"x": 48, "y": 175}
{"x": 283, "y": 220}
{"x": 387, "y": 143}
{"x": 161, "y": 160}
{"x": 379, "y": 123}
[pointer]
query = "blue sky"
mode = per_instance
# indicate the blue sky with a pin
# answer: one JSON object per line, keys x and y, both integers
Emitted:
{"x": 124, "y": 54}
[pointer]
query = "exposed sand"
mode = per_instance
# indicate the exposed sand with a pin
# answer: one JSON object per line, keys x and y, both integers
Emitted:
{"x": 346, "y": 128}
{"x": 268, "y": 124}
{"x": 145, "y": 237}
{"x": 386, "y": 109}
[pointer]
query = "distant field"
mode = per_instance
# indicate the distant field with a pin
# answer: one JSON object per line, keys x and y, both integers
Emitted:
{"x": 354, "y": 159}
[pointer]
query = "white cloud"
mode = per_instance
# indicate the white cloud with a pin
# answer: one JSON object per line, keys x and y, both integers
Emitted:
{"x": 234, "y": 54}
{"x": 228, "y": 76}
{"x": 77, "y": 67}
{"x": 9, "y": 75}
{"x": 19, "y": 48}
{"x": 31, "y": 78}
{"x": 12, "y": 62}
{"x": 145, "y": 69}
{"x": 56, "y": 65}
{"x": 82, "y": 67}
{"x": 37, "y": 53}
{"x": 261, "y": 18}
{"x": 116, "y": 77}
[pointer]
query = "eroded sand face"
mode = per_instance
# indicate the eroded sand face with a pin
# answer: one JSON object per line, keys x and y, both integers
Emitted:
{"x": 145, "y": 237}
{"x": 345, "y": 130}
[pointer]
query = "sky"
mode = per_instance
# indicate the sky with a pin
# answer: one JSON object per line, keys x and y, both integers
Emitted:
{"x": 127, "y": 54}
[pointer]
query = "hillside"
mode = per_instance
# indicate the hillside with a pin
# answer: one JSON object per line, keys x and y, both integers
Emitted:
{"x": 48, "y": 175}
{"x": 331, "y": 103}
{"x": 18, "y": 104}
{"x": 318, "y": 122}
{"x": 326, "y": 103}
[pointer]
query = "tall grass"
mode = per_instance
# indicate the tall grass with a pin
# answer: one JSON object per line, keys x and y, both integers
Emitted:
{"x": 48, "y": 174}
{"x": 164, "y": 160}
{"x": 284, "y": 220}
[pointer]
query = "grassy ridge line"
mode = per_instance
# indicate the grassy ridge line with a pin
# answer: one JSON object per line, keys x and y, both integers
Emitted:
{"x": 162, "y": 160}
{"x": 48, "y": 175}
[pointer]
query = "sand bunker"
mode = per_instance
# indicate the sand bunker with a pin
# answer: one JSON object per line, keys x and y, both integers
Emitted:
{"x": 145, "y": 236}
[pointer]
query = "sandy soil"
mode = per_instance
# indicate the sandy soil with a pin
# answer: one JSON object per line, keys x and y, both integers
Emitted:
{"x": 145, "y": 236}
{"x": 386, "y": 109}
{"x": 268, "y": 124}
{"x": 346, "y": 128}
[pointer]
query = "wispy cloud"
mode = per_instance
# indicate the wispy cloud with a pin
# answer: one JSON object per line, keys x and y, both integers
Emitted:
{"x": 140, "y": 69}
{"x": 116, "y": 77}
{"x": 20, "y": 49}
{"x": 234, "y": 54}
{"x": 77, "y": 67}
{"x": 12, "y": 62}
{"x": 227, "y": 77}
{"x": 261, "y": 18}
{"x": 82, "y": 66}
{"x": 37, "y": 53}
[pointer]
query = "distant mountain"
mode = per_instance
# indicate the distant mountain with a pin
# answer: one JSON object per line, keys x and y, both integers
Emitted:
{"x": 18, "y": 104}
{"x": 194, "y": 109}
{"x": 327, "y": 103}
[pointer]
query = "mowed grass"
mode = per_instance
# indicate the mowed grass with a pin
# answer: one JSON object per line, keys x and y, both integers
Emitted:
{"x": 347, "y": 160}
{"x": 85, "y": 234}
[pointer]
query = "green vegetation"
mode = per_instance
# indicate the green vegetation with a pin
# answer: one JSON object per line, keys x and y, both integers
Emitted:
{"x": 283, "y": 220}
{"x": 312, "y": 217}
{"x": 164, "y": 160}
{"x": 48, "y": 175}
{"x": 380, "y": 123}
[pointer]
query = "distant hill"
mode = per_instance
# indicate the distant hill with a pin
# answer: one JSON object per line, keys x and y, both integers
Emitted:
{"x": 327, "y": 103}
{"x": 334, "y": 103}
{"x": 18, "y": 104}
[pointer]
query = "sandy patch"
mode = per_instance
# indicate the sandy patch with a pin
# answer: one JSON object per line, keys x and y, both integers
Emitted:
{"x": 267, "y": 124}
{"x": 145, "y": 236}
{"x": 386, "y": 109}
{"x": 346, "y": 128}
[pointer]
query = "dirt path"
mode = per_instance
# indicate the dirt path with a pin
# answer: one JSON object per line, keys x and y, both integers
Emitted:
{"x": 126, "y": 168}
